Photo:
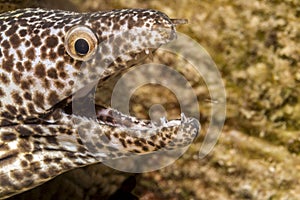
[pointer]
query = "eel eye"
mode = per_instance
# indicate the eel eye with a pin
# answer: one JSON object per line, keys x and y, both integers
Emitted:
{"x": 81, "y": 43}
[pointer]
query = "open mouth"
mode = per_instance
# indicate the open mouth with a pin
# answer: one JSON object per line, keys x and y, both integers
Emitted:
{"x": 104, "y": 129}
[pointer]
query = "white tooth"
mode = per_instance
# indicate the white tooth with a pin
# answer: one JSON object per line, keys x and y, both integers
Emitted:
{"x": 163, "y": 121}
{"x": 183, "y": 118}
{"x": 147, "y": 51}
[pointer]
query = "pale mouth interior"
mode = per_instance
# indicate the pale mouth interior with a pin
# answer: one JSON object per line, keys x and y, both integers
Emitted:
{"x": 114, "y": 118}
{"x": 106, "y": 115}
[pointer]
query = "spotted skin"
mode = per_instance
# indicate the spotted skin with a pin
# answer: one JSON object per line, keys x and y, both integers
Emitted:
{"x": 41, "y": 70}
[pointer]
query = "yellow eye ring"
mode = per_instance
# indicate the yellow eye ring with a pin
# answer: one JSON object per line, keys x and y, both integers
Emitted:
{"x": 81, "y": 43}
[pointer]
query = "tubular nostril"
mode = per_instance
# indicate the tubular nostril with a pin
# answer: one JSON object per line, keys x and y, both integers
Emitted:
{"x": 179, "y": 21}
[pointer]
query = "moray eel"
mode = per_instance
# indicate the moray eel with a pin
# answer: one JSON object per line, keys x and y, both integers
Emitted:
{"x": 48, "y": 60}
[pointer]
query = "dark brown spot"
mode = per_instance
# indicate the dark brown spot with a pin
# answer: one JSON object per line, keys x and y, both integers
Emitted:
{"x": 61, "y": 50}
{"x": 20, "y": 55}
{"x": 145, "y": 148}
{"x": 2, "y": 93}
{"x": 71, "y": 82}
{"x": 81, "y": 149}
{"x": 123, "y": 142}
{"x": 162, "y": 144}
{"x": 46, "y": 83}
{"x": 11, "y": 30}
{"x": 28, "y": 157}
{"x": 151, "y": 143}
{"x": 5, "y": 122}
{"x": 122, "y": 22}
{"x": 60, "y": 66}
{"x": 27, "y": 65}
{"x": 53, "y": 98}
{"x": 37, "y": 129}
{"x": 35, "y": 166}
{"x": 5, "y": 44}
{"x": 27, "y": 174}
{"x": 43, "y": 56}
{"x": 51, "y": 140}
{"x": 153, "y": 137}
{"x": 30, "y": 53}
{"x": 129, "y": 141}
{"x": 130, "y": 24}
{"x": 22, "y": 111}
{"x": 62, "y": 75}
{"x": 52, "y": 130}
{"x": 36, "y": 41}
{"x": 123, "y": 134}
{"x": 136, "y": 151}
{"x": 79, "y": 141}
{"x": 78, "y": 65}
{"x": 43, "y": 175}
{"x": 24, "y": 132}
{"x": 17, "y": 98}
{"x": 40, "y": 70}
{"x": 8, "y": 136}
{"x": 26, "y": 86}
{"x": 137, "y": 143}
{"x": 8, "y": 157}
{"x": 27, "y": 43}
{"x": 116, "y": 26}
{"x": 57, "y": 160}
{"x": 5, "y": 180}
{"x": 43, "y": 49}
{"x": 28, "y": 182}
{"x": 7, "y": 115}
{"x": 39, "y": 99}
{"x": 45, "y": 33}
{"x": 47, "y": 24}
{"x": 47, "y": 160}
{"x": 30, "y": 107}
{"x": 15, "y": 40}
{"x": 12, "y": 109}
{"x": 143, "y": 140}
{"x": 59, "y": 85}
{"x": 20, "y": 67}
{"x": 51, "y": 73}
{"x": 22, "y": 32}
{"x": 107, "y": 135}
{"x": 8, "y": 63}
{"x": 51, "y": 41}
{"x": 3, "y": 27}
{"x": 24, "y": 163}
{"x": 17, "y": 77}
{"x": 52, "y": 55}
{"x": 17, "y": 175}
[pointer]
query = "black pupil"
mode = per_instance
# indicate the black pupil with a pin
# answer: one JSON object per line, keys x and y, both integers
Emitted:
{"x": 81, "y": 47}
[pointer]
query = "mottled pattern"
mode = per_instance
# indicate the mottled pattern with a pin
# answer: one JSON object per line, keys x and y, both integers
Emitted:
{"x": 46, "y": 56}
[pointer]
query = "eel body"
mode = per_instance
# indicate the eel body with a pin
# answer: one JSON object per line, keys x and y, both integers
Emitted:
{"x": 50, "y": 59}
